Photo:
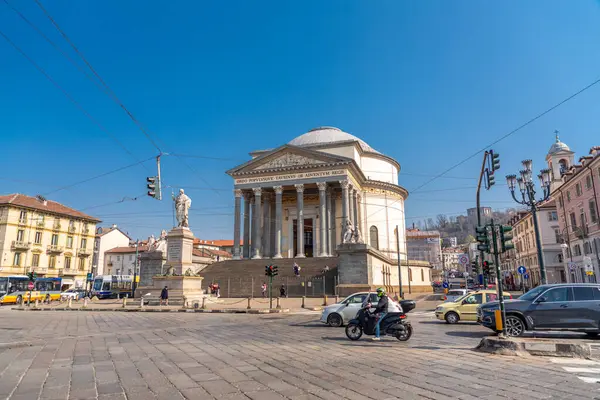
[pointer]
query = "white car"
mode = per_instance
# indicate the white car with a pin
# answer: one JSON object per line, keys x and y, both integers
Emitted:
{"x": 73, "y": 293}
{"x": 454, "y": 294}
{"x": 340, "y": 313}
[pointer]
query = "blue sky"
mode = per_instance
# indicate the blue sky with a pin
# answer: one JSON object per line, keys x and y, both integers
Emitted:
{"x": 427, "y": 83}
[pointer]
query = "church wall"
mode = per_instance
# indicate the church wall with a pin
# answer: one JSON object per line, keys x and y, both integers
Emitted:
{"x": 385, "y": 212}
{"x": 379, "y": 170}
{"x": 346, "y": 151}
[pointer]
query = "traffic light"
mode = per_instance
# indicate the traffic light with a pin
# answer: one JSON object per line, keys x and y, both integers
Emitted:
{"x": 268, "y": 270}
{"x": 487, "y": 265}
{"x": 32, "y": 276}
{"x": 275, "y": 270}
{"x": 482, "y": 239}
{"x": 505, "y": 237}
{"x": 151, "y": 185}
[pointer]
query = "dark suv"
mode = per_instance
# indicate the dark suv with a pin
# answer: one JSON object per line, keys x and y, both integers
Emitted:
{"x": 560, "y": 307}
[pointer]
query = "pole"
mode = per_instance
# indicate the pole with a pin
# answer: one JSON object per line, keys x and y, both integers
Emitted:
{"x": 400, "y": 294}
{"x": 498, "y": 278}
{"x": 158, "y": 176}
{"x": 480, "y": 267}
{"x": 270, "y": 292}
{"x": 539, "y": 245}
{"x": 135, "y": 268}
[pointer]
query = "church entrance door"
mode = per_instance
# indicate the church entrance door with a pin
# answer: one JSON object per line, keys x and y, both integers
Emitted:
{"x": 308, "y": 237}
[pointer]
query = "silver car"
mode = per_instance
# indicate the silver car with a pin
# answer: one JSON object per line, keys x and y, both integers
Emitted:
{"x": 454, "y": 294}
{"x": 340, "y": 313}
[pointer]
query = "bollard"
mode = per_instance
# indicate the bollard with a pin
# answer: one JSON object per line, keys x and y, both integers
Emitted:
{"x": 249, "y": 299}
{"x": 337, "y": 299}
{"x": 204, "y": 303}
{"x": 278, "y": 304}
{"x": 303, "y": 299}
{"x": 36, "y": 303}
{"x": 29, "y": 301}
{"x": 142, "y": 302}
{"x": 85, "y": 302}
{"x": 325, "y": 300}
{"x": 69, "y": 302}
{"x": 184, "y": 305}
{"x": 124, "y": 301}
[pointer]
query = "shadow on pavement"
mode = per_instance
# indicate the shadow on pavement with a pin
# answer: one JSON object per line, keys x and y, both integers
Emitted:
{"x": 469, "y": 334}
{"x": 438, "y": 322}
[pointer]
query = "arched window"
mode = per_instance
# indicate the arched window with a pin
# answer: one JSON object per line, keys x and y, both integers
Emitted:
{"x": 563, "y": 165}
{"x": 374, "y": 237}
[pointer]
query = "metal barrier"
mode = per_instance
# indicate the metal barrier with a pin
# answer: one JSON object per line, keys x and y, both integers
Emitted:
{"x": 317, "y": 286}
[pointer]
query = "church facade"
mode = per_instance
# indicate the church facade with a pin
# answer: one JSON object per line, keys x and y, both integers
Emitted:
{"x": 324, "y": 188}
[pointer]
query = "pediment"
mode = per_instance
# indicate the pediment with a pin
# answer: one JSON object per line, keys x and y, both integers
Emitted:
{"x": 289, "y": 157}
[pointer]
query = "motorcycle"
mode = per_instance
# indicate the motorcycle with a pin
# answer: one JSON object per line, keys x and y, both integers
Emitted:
{"x": 394, "y": 324}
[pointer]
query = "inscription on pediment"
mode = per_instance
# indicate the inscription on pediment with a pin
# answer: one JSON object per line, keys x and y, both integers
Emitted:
{"x": 289, "y": 160}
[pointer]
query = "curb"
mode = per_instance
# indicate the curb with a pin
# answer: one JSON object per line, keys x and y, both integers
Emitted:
{"x": 179, "y": 310}
{"x": 534, "y": 347}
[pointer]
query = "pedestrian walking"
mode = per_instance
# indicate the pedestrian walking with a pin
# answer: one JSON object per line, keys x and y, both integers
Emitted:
{"x": 282, "y": 291}
{"x": 164, "y": 296}
{"x": 263, "y": 289}
{"x": 296, "y": 269}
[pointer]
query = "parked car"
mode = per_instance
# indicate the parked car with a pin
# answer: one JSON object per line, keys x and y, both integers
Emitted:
{"x": 465, "y": 308}
{"x": 454, "y": 294}
{"x": 340, "y": 313}
{"x": 558, "y": 307}
{"x": 74, "y": 293}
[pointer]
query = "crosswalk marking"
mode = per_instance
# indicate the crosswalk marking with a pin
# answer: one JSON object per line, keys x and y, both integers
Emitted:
{"x": 582, "y": 370}
{"x": 589, "y": 380}
{"x": 421, "y": 313}
{"x": 580, "y": 367}
{"x": 574, "y": 361}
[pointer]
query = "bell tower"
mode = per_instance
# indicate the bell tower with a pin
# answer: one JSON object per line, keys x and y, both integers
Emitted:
{"x": 559, "y": 158}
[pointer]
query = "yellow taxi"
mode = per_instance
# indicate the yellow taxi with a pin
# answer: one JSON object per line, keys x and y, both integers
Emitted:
{"x": 465, "y": 308}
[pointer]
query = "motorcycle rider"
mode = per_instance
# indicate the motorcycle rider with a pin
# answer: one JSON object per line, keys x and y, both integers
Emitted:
{"x": 381, "y": 310}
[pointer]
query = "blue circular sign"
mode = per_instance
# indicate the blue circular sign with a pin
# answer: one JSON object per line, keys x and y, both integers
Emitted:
{"x": 521, "y": 270}
{"x": 445, "y": 285}
{"x": 526, "y": 276}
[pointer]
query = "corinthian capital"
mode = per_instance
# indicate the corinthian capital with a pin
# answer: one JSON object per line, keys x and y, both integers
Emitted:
{"x": 299, "y": 187}
{"x": 278, "y": 189}
{"x": 322, "y": 186}
{"x": 238, "y": 192}
{"x": 257, "y": 191}
{"x": 345, "y": 183}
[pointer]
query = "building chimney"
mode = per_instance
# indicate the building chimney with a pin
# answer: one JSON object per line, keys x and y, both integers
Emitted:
{"x": 114, "y": 226}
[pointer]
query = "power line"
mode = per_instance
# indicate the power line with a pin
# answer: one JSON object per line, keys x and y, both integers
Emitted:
{"x": 510, "y": 133}
{"x": 124, "y": 199}
{"x": 109, "y": 91}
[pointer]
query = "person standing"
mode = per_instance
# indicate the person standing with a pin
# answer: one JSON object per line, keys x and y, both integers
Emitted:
{"x": 164, "y": 296}
{"x": 263, "y": 289}
{"x": 282, "y": 291}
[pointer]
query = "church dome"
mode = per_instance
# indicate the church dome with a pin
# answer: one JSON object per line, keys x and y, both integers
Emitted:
{"x": 328, "y": 135}
{"x": 558, "y": 146}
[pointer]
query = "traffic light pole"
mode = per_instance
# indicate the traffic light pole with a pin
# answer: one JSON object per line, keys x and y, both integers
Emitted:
{"x": 481, "y": 254}
{"x": 270, "y": 291}
{"x": 498, "y": 276}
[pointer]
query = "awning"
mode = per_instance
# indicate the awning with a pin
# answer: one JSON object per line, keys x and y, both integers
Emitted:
{"x": 67, "y": 281}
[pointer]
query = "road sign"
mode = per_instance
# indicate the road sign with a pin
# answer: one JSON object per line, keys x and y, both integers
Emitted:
{"x": 30, "y": 286}
{"x": 90, "y": 277}
{"x": 445, "y": 285}
{"x": 466, "y": 274}
{"x": 572, "y": 266}
{"x": 521, "y": 270}
{"x": 526, "y": 276}
{"x": 463, "y": 259}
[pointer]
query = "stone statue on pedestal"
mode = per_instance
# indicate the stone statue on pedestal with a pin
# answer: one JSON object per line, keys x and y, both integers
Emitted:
{"x": 182, "y": 205}
{"x": 349, "y": 234}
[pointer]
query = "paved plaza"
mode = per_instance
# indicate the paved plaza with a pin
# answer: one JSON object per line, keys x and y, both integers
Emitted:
{"x": 111, "y": 355}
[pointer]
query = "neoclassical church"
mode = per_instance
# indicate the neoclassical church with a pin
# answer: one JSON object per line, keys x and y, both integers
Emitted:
{"x": 321, "y": 189}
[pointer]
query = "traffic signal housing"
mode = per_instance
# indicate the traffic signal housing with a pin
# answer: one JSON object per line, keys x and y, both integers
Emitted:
{"x": 483, "y": 242}
{"x": 505, "y": 237}
{"x": 487, "y": 265}
{"x": 153, "y": 186}
{"x": 275, "y": 270}
{"x": 32, "y": 276}
{"x": 494, "y": 161}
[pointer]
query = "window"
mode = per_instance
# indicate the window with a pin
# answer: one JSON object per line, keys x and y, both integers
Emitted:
{"x": 20, "y": 235}
{"x": 81, "y": 264}
{"x": 38, "y": 237}
{"x": 593, "y": 212}
{"x": 118, "y": 258}
{"x": 67, "y": 262}
{"x": 573, "y": 221}
{"x": 552, "y": 216}
{"x": 559, "y": 294}
{"x": 131, "y": 257}
{"x": 578, "y": 190}
{"x": 23, "y": 216}
{"x": 422, "y": 275}
{"x": 557, "y": 235}
{"x": 473, "y": 299}
{"x": 526, "y": 224}
{"x": 52, "y": 262}
{"x": 17, "y": 260}
{"x": 69, "y": 242}
{"x": 577, "y": 250}
{"x": 588, "y": 182}
{"x": 587, "y": 248}
{"x": 493, "y": 297}
{"x": 568, "y": 196}
{"x": 35, "y": 261}
{"x": 54, "y": 240}
{"x": 357, "y": 299}
{"x": 560, "y": 202}
{"x": 374, "y": 237}
{"x": 560, "y": 258}
{"x": 71, "y": 224}
{"x": 83, "y": 243}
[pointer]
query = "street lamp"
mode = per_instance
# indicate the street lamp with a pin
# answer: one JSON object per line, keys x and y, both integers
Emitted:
{"x": 527, "y": 189}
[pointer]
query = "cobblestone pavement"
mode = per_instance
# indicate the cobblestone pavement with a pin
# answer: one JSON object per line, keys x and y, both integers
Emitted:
{"x": 109, "y": 355}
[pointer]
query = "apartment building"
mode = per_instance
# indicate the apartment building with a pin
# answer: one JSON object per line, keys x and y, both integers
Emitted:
{"x": 45, "y": 237}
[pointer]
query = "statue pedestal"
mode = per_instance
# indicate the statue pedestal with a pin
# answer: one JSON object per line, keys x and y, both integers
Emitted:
{"x": 180, "y": 244}
{"x": 180, "y": 287}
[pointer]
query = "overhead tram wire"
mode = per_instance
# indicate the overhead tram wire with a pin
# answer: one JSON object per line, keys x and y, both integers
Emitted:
{"x": 123, "y": 200}
{"x": 509, "y": 133}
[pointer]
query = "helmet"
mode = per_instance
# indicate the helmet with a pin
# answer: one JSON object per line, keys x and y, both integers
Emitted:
{"x": 380, "y": 292}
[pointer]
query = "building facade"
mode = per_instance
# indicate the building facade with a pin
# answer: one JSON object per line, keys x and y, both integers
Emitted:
{"x": 424, "y": 246}
{"x": 301, "y": 198}
{"x": 106, "y": 239}
{"x": 45, "y": 237}
{"x": 122, "y": 260}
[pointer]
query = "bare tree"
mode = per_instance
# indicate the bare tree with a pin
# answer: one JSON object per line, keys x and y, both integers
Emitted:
{"x": 442, "y": 221}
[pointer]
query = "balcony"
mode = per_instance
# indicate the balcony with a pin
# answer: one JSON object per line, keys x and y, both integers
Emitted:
{"x": 84, "y": 252}
{"x": 56, "y": 226}
{"x": 40, "y": 270}
{"x": 53, "y": 248}
{"x": 86, "y": 230}
{"x": 72, "y": 228}
{"x": 41, "y": 223}
{"x": 22, "y": 221}
{"x": 20, "y": 245}
{"x": 67, "y": 272}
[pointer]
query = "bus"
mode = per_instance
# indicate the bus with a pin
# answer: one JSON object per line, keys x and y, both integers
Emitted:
{"x": 13, "y": 289}
{"x": 49, "y": 287}
{"x": 113, "y": 286}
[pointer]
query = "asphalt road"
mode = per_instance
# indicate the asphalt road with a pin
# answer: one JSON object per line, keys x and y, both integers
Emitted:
{"x": 111, "y": 355}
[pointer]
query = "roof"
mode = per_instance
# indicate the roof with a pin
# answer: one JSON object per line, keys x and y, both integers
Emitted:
{"x": 558, "y": 146}
{"x": 101, "y": 231}
{"x": 47, "y": 206}
{"x": 127, "y": 249}
{"x": 220, "y": 243}
{"x": 414, "y": 233}
{"x": 326, "y": 135}
{"x": 209, "y": 253}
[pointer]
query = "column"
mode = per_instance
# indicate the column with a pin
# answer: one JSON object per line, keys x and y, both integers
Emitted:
{"x": 237, "y": 222}
{"x": 278, "y": 219}
{"x": 328, "y": 225}
{"x": 246, "y": 245}
{"x": 300, "y": 221}
{"x": 266, "y": 225}
{"x": 355, "y": 207}
{"x": 333, "y": 223}
{"x": 350, "y": 205}
{"x": 256, "y": 223}
{"x": 322, "y": 218}
{"x": 345, "y": 202}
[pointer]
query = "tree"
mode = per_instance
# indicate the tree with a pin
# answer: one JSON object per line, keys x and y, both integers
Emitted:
{"x": 430, "y": 224}
{"x": 470, "y": 239}
{"x": 442, "y": 221}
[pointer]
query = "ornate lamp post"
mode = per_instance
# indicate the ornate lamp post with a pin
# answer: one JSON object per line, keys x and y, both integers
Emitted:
{"x": 527, "y": 189}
